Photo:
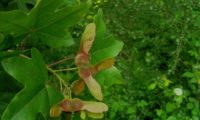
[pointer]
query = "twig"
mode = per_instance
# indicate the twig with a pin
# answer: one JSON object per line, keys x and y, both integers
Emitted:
{"x": 59, "y": 62}
{"x": 178, "y": 51}
{"x": 24, "y": 56}
{"x": 68, "y": 116}
{"x": 61, "y": 81}
{"x": 67, "y": 69}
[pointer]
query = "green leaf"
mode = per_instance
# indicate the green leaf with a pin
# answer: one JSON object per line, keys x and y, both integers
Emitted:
{"x": 10, "y": 25}
{"x": 7, "y": 42}
{"x": 109, "y": 77}
{"x": 171, "y": 118}
{"x": 22, "y": 4}
{"x": 95, "y": 115}
{"x": 83, "y": 115}
{"x": 2, "y": 107}
{"x": 6, "y": 54}
{"x": 100, "y": 32}
{"x": 35, "y": 97}
{"x": 47, "y": 21}
{"x": 105, "y": 46}
{"x": 170, "y": 107}
{"x": 105, "y": 64}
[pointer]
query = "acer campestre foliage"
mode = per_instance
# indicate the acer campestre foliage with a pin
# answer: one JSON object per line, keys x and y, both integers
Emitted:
{"x": 48, "y": 22}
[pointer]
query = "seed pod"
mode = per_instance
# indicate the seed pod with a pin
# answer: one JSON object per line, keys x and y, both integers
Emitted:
{"x": 55, "y": 111}
{"x": 88, "y": 38}
{"x": 105, "y": 64}
{"x": 78, "y": 86}
{"x": 71, "y": 105}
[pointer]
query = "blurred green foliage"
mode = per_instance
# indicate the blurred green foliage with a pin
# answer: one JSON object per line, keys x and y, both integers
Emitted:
{"x": 160, "y": 59}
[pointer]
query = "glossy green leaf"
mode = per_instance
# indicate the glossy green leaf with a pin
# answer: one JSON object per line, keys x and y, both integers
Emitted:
{"x": 105, "y": 46}
{"x": 100, "y": 32}
{"x": 47, "y": 21}
{"x": 109, "y": 77}
{"x": 95, "y": 115}
{"x": 15, "y": 27}
{"x": 35, "y": 97}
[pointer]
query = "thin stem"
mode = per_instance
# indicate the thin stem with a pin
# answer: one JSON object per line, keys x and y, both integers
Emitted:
{"x": 67, "y": 89}
{"x": 67, "y": 69}
{"x": 68, "y": 116}
{"x": 62, "y": 82}
{"x": 24, "y": 56}
{"x": 59, "y": 62}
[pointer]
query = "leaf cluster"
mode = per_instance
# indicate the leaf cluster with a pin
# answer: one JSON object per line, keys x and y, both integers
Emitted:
{"x": 34, "y": 37}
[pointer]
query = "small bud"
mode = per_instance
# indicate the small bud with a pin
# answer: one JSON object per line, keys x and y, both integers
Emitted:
{"x": 55, "y": 111}
{"x": 78, "y": 86}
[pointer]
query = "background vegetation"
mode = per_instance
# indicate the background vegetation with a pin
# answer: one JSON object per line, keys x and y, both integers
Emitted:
{"x": 160, "y": 61}
{"x": 161, "y": 53}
